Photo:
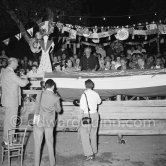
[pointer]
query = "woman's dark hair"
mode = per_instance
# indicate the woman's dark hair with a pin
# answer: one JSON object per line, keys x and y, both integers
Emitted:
{"x": 89, "y": 84}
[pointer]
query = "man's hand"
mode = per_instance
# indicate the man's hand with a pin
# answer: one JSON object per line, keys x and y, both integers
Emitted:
{"x": 24, "y": 76}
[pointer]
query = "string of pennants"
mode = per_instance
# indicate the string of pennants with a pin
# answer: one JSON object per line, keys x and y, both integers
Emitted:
{"x": 96, "y": 33}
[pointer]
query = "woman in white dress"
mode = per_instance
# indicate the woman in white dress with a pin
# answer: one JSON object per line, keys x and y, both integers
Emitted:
{"x": 47, "y": 46}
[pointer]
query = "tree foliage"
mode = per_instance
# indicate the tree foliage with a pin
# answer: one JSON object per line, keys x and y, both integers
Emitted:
{"x": 29, "y": 11}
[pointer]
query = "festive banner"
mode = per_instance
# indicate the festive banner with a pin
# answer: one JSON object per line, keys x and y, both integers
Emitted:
{"x": 6, "y": 41}
{"x": 162, "y": 28}
{"x": 72, "y": 34}
{"x": 47, "y": 27}
{"x": 18, "y": 36}
{"x": 30, "y": 31}
{"x": 122, "y": 34}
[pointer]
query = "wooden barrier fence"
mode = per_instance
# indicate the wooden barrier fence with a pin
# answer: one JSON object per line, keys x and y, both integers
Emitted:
{"x": 138, "y": 117}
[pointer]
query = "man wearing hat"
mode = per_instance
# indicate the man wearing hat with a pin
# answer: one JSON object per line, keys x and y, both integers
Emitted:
{"x": 11, "y": 84}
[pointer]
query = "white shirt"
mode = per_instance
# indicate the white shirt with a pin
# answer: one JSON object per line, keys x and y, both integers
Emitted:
{"x": 49, "y": 89}
{"x": 93, "y": 101}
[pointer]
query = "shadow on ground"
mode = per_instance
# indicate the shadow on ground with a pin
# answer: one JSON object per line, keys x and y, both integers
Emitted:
{"x": 105, "y": 159}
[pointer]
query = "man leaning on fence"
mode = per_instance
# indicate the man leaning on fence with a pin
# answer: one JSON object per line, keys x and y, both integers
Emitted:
{"x": 11, "y": 96}
{"x": 47, "y": 105}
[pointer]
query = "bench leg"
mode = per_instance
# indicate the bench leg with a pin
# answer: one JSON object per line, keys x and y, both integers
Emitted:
{"x": 120, "y": 139}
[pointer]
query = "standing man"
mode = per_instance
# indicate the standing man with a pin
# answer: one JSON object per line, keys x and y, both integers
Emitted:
{"x": 89, "y": 131}
{"x": 88, "y": 61}
{"x": 48, "y": 104}
{"x": 11, "y": 96}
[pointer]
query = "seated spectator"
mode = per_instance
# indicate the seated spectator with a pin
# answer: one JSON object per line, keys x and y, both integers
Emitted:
{"x": 140, "y": 49}
{"x": 159, "y": 64}
{"x": 69, "y": 66}
{"x": 30, "y": 63}
{"x": 100, "y": 50}
{"x": 101, "y": 62}
{"x": 35, "y": 63}
{"x": 88, "y": 61}
{"x": 124, "y": 65}
{"x": 107, "y": 58}
{"x": 117, "y": 62}
{"x": 72, "y": 59}
{"x": 75, "y": 56}
{"x": 77, "y": 65}
{"x": 131, "y": 51}
{"x": 150, "y": 62}
{"x": 63, "y": 61}
{"x": 107, "y": 65}
{"x": 133, "y": 62}
{"x": 55, "y": 64}
{"x": 28, "y": 69}
{"x": 62, "y": 50}
{"x": 141, "y": 64}
{"x": 59, "y": 58}
{"x": 33, "y": 71}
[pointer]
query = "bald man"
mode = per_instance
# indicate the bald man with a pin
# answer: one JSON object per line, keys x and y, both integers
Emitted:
{"x": 11, "y": 84}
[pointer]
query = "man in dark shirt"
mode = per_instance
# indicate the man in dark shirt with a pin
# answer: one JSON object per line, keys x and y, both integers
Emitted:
{"x": 88, "y": 61}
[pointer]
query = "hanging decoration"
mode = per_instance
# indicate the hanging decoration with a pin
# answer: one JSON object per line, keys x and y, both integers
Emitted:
{"x": 30, "y": 31}
{"x": 162, "y": 40}
{"x": 6, "y": 41}
{"x": 72, "y": 34}
{"x": 122, "y": 34}
{"x": 162, "y": 28}
{"x": 86, "y": 32}
{"x": 95, "y": 36}
{"x": 92, "y": 33}
{"x": 18, "y": 36}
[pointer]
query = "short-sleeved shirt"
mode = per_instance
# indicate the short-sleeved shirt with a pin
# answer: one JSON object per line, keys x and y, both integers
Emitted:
{"x": 93, "y": 101}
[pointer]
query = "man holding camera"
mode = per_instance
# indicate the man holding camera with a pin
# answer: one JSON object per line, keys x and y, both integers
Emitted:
{"x": 89, "y": 125}
{"x": 47, "y": 105}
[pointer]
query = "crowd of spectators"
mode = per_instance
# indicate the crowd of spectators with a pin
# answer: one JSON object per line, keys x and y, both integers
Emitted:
{"x": 92, "y": 59}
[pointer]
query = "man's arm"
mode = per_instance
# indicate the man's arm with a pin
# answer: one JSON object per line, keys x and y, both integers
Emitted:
{"x": 21, "y": 82}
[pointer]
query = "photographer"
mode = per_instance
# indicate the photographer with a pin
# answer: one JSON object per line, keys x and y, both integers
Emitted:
{"x": 47, "y": 107}
{"x": 89, "y": 105}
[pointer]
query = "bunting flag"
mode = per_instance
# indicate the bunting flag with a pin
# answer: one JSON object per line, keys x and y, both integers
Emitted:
{"x": 18, "y": 36}
{"x": 6, "y": 41}
{"x": 47, "y": 27}
{"x": 30, "y": 31}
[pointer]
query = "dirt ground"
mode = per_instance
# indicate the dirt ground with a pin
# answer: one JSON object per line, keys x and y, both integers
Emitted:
{"x": 137, "y": 151}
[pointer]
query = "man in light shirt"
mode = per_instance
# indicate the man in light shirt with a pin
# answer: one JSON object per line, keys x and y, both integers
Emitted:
{"x": 88, "y": 132}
